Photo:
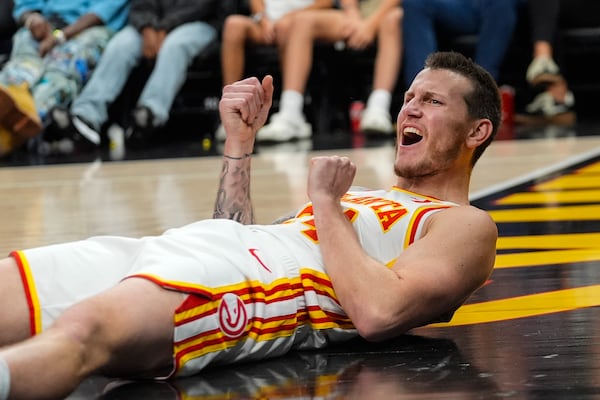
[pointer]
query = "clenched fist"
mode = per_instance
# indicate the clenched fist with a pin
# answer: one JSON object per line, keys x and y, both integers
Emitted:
{"x": 329, "y": 178}
{"x": 244, "y": 107}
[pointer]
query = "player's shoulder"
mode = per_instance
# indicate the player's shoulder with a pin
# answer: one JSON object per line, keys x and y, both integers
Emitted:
{"x": 469, "y": 217}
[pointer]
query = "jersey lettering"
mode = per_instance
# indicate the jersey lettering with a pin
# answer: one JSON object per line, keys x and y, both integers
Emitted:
{"x": 390, "y": 217}
{"x": 388, "y": 212}
{"x": 311, "y": 233}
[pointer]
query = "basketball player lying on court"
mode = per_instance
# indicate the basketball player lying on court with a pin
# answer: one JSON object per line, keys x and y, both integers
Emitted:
{"x": 373, "y": 263}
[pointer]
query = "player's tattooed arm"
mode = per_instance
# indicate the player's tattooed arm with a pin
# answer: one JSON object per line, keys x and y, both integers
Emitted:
{"x": 233, "y": 195}
{"x": 243, "y": 109}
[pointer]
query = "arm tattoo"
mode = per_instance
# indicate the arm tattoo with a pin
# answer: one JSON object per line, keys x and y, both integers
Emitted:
{"x": 233, "y": 196}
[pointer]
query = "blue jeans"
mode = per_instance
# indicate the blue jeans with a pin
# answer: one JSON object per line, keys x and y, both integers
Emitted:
{"x": 58, "y": 77}
{"x": 124, "y": 52}
{"x": 492, "y": 20}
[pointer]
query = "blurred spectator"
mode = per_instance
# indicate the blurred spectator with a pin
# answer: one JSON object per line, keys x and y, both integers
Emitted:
{"x": 54, "y": 50}
{"x": 555, "y": 103}
{"x": 268, "y": 24}
{"x": 358, "y": 25}
{"x": 168, "y": 34}
{"x": 493, "y": 21}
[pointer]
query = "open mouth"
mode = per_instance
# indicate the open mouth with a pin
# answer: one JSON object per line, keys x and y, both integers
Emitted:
{"x": 411, "y": 136}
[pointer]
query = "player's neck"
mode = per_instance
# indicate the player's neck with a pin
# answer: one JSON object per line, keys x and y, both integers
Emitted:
{"x": 454, "y": 189}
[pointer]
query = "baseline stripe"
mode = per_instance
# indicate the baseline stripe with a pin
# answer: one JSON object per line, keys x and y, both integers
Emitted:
{"x": 525, "y": 306}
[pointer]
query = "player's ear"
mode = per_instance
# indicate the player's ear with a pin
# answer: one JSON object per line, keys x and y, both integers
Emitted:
{"x": 482, "y": 129}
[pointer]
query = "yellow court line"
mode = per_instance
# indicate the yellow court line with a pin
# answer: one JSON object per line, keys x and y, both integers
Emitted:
{"x": 589, "y": 169}
{"x": 551, "y": 241}
{"x": 543, "y": 198}
{"x": 567, "y": 182}
{"x": 546, "y": 257}
{"x": 553, "y": 213}
{"x": 526, "y": 306}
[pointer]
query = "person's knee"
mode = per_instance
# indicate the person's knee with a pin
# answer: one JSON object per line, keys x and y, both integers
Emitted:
{"x": 80, "y": 333}
{"x": 304, "y": 20}
{"x": 283, "y": 28}
{"x": 190, "y": 45}
{"x": 124, "y": 40}
{"x": 234, "y": 28}
{"x": 117, "y": 340}
{"x": 392, "y": 22}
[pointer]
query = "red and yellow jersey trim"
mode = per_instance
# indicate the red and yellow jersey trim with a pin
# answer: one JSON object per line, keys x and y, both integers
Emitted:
{"x": 205, "y": 303}
{"x": 416, "y": 220}
{"x": 33, "y": 303}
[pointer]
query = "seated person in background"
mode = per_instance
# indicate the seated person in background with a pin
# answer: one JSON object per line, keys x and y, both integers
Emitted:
{"x": 168, "y": 34}
{"x": 493, "y": 21}
{"x": 358, "y": 24}
{"x": 227, "y": 289}
{"x": 53, "y": 53}
{"x": 555, "y": 104}
{"x": 269, "y": 24}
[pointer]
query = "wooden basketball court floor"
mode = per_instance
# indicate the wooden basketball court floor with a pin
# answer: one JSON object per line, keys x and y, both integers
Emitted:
{"x": 532, "y": 332}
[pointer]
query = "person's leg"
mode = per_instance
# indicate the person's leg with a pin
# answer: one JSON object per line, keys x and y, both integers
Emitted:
{"x": 421, "y": 20}
{"x": 544, "y": 20}
{"x": 25, "y": 63}
{"x": 492, "y": 20}
{"x": 305, "y": 29}
{"x": 389, "y": 51}
{"x": 376, "y": 116}
{"x": 126, "y": 331}
{"x": 121, "y": 55}
{"x": 178, "y": 50}
{"x": 68, "y": 67}
{"x": 18, "y": 114}
{"x": 419, "y": 35}
{"x": 40, "y": 283}
{"x": 282, "y": 28}
{"x": 498, "y": 20}
{"x": 296, "y": 54}
{"x": 237, "y": 31}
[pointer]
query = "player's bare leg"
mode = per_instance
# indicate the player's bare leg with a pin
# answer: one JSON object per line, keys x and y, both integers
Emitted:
{"x": 125, "y": 331}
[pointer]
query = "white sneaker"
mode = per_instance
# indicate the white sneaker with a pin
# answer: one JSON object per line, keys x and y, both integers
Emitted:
{"x": 545, "y": 104}
{"x": 542, "y": 69}
{"x": 220, "y": 133}
{"x": 376, "y": 120}
{"x": 282, "y": 128}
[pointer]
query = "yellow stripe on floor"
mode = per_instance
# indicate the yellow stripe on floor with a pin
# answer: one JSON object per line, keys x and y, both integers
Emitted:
{"x": 564, "y": 213}
{"x": 526, "y": 306}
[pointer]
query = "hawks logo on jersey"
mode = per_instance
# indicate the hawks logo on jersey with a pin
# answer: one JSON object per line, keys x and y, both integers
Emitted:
{"x": 232, "y": 315}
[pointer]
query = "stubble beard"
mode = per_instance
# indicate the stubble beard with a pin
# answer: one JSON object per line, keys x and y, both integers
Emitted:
{"x": 438, "y": 162}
